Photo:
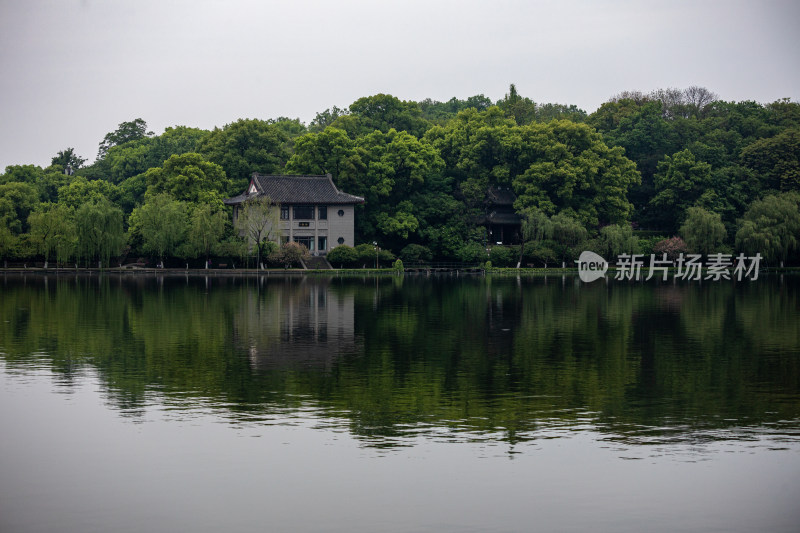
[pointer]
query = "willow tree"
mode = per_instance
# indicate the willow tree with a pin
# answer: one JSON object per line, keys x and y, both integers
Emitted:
{"x": 258, "y": 220}
{"x": 99, "y": 231}
{"x": 52, "y": 230}
{"x": 161, "y": 222}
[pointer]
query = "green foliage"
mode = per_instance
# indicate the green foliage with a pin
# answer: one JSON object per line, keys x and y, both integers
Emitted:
{"x": 471, "y": 252}
{"x": 125, "y": 133}
{"x": 384, "y": 112}
{"x": 568, "y": 236}
{"x": 206, "y": 228}
{"x": 776, "y": 160}
{"x": 136, "y": 157}
{"x": 8, "y": 242}
{"x": 703, "y": 231}
{"x": 771, "y": 227}
{"x": 81, "y": 191}
{"x": 17, "y": 201}
{"x": 258, "y": 220}
{"x": 572, "y": 170}
{"x": 161, "y": 223}
{"x": 342, "y": 256}
{"x": 679, "y": 183}
{"x": 68, "y": 159}
{"x": 398, "y": 266}
{"x": 53, "y": 230}
{"x": 244, "y": 147}
{"x": 615, "y": 240}
{"x": 99, "y": 229}
{"x": 503, "y": 256}
{"x": 416, "y": 253}
{"x": 189, "y": 178}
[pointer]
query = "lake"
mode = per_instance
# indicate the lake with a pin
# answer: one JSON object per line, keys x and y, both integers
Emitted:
{"x": 398, "y": 403}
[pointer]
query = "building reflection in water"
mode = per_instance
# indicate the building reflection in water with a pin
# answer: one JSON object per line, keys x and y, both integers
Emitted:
{"x": 307, "y": 322}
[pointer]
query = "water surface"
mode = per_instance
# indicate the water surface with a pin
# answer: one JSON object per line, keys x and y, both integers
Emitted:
{"x": 409, "y": 403}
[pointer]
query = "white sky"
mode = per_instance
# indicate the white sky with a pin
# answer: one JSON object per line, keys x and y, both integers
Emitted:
{"x": 72, "y": 70}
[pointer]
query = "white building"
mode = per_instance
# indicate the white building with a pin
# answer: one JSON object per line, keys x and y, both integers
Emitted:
{"x": 313, "y": 211}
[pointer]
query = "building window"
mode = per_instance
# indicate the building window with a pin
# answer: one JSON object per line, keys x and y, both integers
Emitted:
{"x": 341, "y": 212}
{"x": 340, "y": 240}
{"x": 308, "y": 242}
{"x": 322, "y": 243}
{"x": 284, "y": 239}
{"x": 304, "y": 224}
{"x": 322, "y": 212}
{"x": 285, "y": 212}
{"x": 304, "y": 212}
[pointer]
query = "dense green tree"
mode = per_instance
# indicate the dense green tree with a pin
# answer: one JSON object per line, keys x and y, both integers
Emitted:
{"x": 244, "y": 147}
{"x": 68, "y": 159}
{"x": 416, "y": 253}
{"x": 384, "y": 112}
{"x": 703, "y": 231}
{"x": 519, "y": 108}
{"x": 125, "y": 132}
{"x": 679, "y": 183}
{"x": 568, "y": 235}
{"x": 161, "y": 223}
{"x": 329, "y": 151}
{"x": 771, "y": 227}
{"x": 617, "y": 239}
{"x": 52, "y": 230}
{"x": 572, "y": 170}
{"x": 17, "y": 200}
{"x": 441, "y": 112}
{"x": 80, "y": 191}
{"x": 29, "y": 174}
{"x": 99, "y": 229}
{"x": 206, "y": 228}
{"x": 135, "y": 157}
{"x": 776, "y": 160}
{"x": 324, "y": 119}
{"x": 189, "y": 178}
{"x": 342, "y": 256}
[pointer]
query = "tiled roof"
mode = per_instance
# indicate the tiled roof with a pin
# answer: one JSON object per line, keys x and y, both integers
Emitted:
{"x": 500, "y": 196}
{"x": 293, "y": 189}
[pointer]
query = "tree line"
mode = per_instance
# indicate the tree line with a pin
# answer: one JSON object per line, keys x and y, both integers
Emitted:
{"x": 671, "y": 170}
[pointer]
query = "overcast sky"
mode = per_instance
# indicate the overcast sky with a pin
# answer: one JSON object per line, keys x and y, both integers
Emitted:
{"x": 72, "y": 70}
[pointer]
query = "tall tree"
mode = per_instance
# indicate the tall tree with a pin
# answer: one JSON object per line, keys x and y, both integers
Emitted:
{"x": 189, "y": 178}
{"x": 206, "y": 228}
{"x": 161, "y": 223}
{"x": 703, "y": 231}
{"x": 125, "y": 132}
{"x": 99, "y": 230}
{"x": 52, "y": 230}
{"x": 68, "y": 159}
{"x": 771, "y": 227}
{"x": 259, "y": 221}
{"x": 244, "y": 147}
{"x": 571, "y": 169}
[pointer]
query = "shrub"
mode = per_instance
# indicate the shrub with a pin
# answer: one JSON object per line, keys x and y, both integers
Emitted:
{"x": 672, "y": 247}
{"x": 415, "y": 253}
{"x": 342, "y": 256}
{"x": 504, "y": 256}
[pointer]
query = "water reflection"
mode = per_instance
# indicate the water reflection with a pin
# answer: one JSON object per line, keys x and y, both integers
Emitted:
{"x": 396, "y": 359}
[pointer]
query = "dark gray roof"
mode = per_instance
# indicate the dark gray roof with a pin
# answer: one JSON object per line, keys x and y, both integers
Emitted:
{"x": 500, "y": 196}
{"x": 504, "y": 217}
{"x": 293, "y": 189}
